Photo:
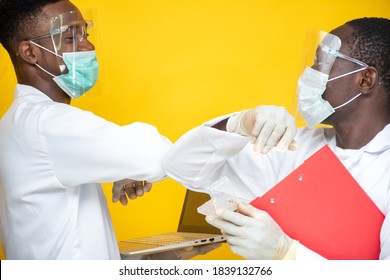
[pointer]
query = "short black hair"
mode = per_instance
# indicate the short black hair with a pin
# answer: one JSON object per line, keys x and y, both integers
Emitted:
{"x": 371, "y": 44}
{"x": 18, "y": 19}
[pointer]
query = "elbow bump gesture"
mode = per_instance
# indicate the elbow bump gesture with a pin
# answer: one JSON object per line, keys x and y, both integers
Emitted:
{"x": 268, "y": 127}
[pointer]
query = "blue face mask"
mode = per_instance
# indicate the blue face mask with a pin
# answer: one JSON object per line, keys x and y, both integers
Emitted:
{"x": 83, "y": 70}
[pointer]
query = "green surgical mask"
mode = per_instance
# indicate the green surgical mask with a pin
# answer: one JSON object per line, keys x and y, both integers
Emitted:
{"x": 83, "y": 70}
{"x": 82, "y": 75}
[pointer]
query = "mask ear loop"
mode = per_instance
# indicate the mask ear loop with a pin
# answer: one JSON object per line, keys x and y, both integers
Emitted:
{"x": 46, "y": 49}
{"x": 352, "y": 99}
{"x": 44, "y": 70}
{"x": 62, "y": 66}
{"x": 345, "y": 103}
{"x": 346, "y": 74}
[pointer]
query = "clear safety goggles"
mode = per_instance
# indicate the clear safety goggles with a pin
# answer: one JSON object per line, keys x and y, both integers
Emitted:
{"x": 320, "y": 64}
{"x": 67, "y": 31}
{"x": 327, "y": 50}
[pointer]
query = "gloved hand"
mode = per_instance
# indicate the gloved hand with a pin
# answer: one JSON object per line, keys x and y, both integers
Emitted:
{"x": 252, "y": 233}
{"x": 183, "y": 254}
{"x": 268, "y": 126}
{"x": 129, "y": 188}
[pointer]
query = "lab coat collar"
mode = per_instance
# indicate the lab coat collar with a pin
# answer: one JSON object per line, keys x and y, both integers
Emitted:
{"x": 22, "y": 90}
{"x": 381, "y": 141}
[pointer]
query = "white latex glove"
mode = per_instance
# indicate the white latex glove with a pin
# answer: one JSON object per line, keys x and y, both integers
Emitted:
{"x": 123, "y": 189}
{"x": 183, "y": 254}
{"x": 252, "y": 233}
{"x": 268, "y": 126}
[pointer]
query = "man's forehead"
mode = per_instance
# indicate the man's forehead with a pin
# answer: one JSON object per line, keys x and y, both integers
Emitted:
{"x": 61, "y": 7}
{"x": 344, "y": 32}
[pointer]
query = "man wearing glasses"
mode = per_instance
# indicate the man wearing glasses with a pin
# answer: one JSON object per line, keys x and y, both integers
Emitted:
{"x": 53, "y": 156}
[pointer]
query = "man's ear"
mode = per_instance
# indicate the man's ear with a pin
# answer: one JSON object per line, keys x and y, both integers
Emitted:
{"x": 369, "y": 80}
{"x": 27, "y": 52}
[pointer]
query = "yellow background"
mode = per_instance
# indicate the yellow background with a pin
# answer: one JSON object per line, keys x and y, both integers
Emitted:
{"x": 178, "y": 63}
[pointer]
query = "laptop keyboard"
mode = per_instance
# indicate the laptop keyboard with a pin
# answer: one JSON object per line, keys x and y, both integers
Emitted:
{"x": 167, "y": 238}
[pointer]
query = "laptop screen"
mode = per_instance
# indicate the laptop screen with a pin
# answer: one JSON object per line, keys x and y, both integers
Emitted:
{"x": 190, "y": 219}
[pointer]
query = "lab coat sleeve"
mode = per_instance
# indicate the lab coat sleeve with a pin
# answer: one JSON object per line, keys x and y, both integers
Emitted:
{"x": 84, "y": 148}
{"x": 199, "y": 157}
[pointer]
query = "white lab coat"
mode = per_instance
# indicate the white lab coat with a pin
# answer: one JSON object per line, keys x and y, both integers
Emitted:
{"x": 53, "y": 159}
{"x": 204, "y": 154}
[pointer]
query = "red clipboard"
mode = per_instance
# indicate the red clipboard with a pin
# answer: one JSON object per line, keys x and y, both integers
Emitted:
{"x": 322, "y": 206}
